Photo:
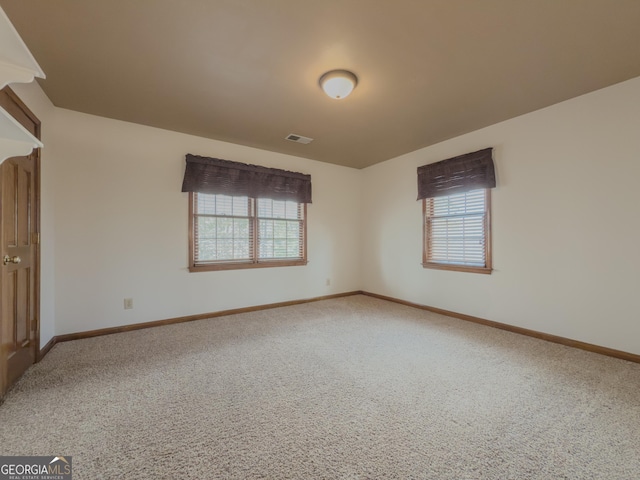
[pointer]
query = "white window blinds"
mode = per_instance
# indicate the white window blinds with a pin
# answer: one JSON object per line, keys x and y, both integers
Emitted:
{"x": 456, "y": 229}
{"x": 240, "y": 232}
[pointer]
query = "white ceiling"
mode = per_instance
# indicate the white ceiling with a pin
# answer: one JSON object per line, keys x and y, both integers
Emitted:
{"x": 246, "y": 71}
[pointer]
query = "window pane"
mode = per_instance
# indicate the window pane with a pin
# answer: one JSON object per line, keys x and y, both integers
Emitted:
{"x": 241, "y": 249}
{"x": 224, "y": 228}
{"x": 206, "y": 227}
{"x": 224, "y": 205}
{"x": 265, "y": 207}
{"x": 241, "y": 206}
{"x": 225, "y": 249}
{"x": 279, "y": 209}
{"x": 279, "y": 229}
{"x": 266, "y": 229}
{"x": 293, "y": 229}
{"x": 293, "y": 248}
{"x": 292, "y": 210}
{"x": 266, "y": 248}
{"x": 268, "y": 208}
{"x": 206, "y": 250}
{"x": 208, "y": 204}
{"x": 280, "y": 248}
{"x": 280, "y": 239}
{"x": 241, "y": 228}
{"x": 459, "y": 204}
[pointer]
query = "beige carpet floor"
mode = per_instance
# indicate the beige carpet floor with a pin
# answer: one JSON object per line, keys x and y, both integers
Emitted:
{"x": 351, "y": 388}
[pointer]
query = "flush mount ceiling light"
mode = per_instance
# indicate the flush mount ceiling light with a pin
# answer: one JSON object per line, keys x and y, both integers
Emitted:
{"x": 338, "y": 83}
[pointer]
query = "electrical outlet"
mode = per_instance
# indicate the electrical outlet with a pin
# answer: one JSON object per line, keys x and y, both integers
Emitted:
{"x": 328, "y": 282}
{"x": 128, "y": 303}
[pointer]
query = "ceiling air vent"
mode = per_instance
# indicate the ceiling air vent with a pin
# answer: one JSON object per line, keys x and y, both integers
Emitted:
{"x": 298, "y": 138}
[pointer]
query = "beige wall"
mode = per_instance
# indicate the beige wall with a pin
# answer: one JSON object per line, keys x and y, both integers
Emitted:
{"x": 566, "y": 223}
{"x": 565, "y": 250}
{"x": 120, "y": 230}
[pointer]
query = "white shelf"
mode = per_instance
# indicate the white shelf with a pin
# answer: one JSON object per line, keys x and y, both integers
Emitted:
{"x": 16, "y": 65}
{"x": 15, "y": 140}
{"x": 16, "y": 62}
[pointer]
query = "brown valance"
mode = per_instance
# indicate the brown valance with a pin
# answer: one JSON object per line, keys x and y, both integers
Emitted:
{"x": 457, "y": 175}
{"x": 213, "y": 175}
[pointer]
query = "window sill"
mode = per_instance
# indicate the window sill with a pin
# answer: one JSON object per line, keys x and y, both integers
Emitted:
{"x": 243, "y": 265}
{"x": 458, "y": 268}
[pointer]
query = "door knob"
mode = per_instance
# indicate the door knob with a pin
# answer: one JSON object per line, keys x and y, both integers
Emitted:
{"x": 7, "y": 259}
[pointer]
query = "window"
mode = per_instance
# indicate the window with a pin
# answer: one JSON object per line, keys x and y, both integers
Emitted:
{"x": 245, "y": 216}
{"x": 230, "y": 232}
{"x": 457, "y": 231}
{"x": 456, "y": 205}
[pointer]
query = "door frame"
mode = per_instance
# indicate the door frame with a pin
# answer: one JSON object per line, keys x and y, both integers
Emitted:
{"x": 18, "y": 110}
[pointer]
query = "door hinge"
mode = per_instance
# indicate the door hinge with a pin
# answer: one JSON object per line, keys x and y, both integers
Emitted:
{"x": 35, "y": 238}
{"x": 34, "y": 324}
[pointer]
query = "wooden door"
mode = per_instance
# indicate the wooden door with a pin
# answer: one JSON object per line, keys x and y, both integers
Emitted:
{"x": 19, "y": 243}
